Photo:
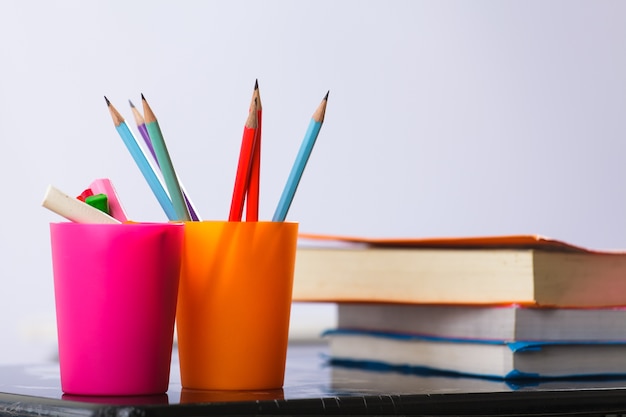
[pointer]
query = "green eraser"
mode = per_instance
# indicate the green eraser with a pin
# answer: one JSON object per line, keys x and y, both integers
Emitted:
{"x": 99, "y": 201}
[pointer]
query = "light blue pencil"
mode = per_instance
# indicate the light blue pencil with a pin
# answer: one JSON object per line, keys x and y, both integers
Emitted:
{"x": 165, "y": 162}
{"x": 142, "y": 162}
{"x": 300, "y": 163}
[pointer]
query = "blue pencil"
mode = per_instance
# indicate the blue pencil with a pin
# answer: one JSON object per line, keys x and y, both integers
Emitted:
{"x": 300, "y": 163}
{"x": 142, "y": 162}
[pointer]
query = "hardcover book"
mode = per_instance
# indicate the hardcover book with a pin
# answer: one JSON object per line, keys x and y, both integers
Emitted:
{"x": 525, "y": 269}
{"x": 501, "y": 322}
{"x": 484, "y": 358}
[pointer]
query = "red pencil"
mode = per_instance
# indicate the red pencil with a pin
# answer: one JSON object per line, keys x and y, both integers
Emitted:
{"x": 252, "y": 197}
{"x": 243, "y": 168}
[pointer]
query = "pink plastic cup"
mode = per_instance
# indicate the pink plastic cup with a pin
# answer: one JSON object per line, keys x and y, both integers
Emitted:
{"x": 116, "y": 287}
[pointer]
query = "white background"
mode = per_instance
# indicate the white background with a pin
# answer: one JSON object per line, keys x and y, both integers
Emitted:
{"x": 445, "y": 118}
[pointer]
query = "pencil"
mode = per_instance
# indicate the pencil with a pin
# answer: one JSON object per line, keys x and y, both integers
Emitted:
{"x": 165, "y": 163}
{"x": 141, "y": 126}
{"x": 243, "y": 168}
{"x": 252, "y": 196}
{"x": 142, "y": 162}
{"x": 302, "y": 158}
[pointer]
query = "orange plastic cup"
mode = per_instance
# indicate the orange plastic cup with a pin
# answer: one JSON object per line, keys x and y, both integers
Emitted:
{"x": 234, "y": 304}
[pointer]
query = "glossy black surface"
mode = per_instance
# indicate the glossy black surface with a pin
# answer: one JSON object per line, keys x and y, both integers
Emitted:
{"x": 313, "y": 387}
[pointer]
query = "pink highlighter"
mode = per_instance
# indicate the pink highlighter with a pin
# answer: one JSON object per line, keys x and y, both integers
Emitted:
{"x": 105, "y": 186}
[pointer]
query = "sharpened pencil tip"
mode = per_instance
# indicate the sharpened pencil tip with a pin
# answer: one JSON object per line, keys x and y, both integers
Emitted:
{"x": 107, "y": 100}
{"x": 326, "y": 96}
{"x": 142, "y": 97}
{"x": 131, "y": 104}
{"x": 256, "y": 84}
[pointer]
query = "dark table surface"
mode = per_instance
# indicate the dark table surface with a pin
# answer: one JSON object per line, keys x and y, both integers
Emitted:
{"x": 312, "y": 387}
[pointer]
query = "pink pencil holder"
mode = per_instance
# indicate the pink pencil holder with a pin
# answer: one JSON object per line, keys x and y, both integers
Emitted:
{"x": 116, "y": 287}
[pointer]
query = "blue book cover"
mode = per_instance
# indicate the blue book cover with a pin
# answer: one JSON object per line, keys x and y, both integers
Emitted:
{"x": 497, "y": 359}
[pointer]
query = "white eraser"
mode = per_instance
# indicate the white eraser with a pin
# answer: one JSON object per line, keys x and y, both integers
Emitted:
{"x": 73, "y": 209}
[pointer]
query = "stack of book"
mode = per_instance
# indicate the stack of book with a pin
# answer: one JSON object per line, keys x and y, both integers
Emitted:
{"x": 505, "y": 307}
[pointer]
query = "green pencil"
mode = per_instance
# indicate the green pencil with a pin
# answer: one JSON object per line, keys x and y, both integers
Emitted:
{"x": 165, "y": 162}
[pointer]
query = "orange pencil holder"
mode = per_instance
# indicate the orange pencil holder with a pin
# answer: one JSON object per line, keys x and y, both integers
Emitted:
{"x": 234, "y": 304}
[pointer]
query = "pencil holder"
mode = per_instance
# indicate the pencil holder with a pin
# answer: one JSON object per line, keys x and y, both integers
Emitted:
{"x": 234, "y": 304}
{"x": 116, "y": 289}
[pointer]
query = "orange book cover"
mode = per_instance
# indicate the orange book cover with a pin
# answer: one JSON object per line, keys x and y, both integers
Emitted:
{"x": 471, "y": 242}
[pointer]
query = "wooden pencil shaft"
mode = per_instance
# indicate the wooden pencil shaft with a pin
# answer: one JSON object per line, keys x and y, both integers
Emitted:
{"x": 253, "y": 193}
{"x": 141, "y": 126}
{"x": 243, "y": 174}
{"x": 302, "y": 158}
{"x": 167, "y": 169}
{"x": 165, "y": 163}
{"x": 297, "y": 170}
{"x": 147, "y": 170}
{"x": 243, "y": 167}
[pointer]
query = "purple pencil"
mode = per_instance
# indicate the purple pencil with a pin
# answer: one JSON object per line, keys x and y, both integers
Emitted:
{"x": 141, "y": 126}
